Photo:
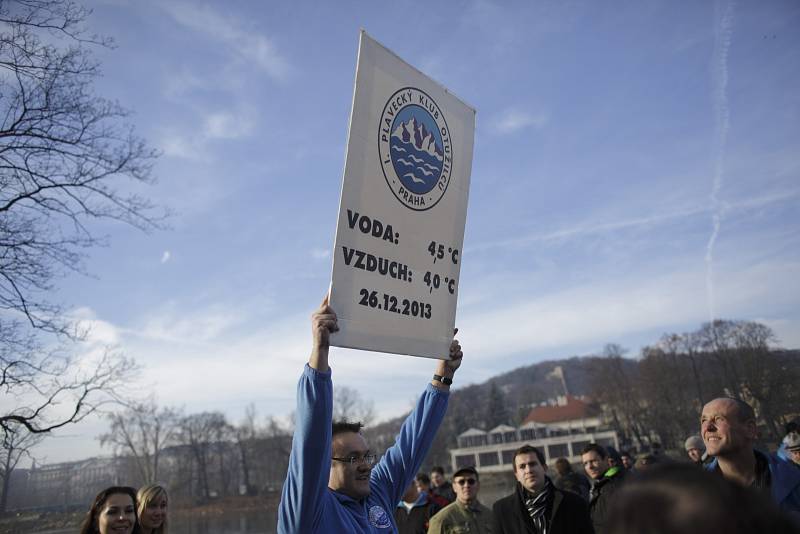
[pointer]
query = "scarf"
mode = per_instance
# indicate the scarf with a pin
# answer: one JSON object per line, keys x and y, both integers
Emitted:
{"x": 537, "y": 506}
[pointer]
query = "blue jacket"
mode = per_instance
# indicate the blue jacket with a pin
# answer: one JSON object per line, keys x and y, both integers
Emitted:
{"x": 309, "y": 506}
{"x": 785, "y": 483}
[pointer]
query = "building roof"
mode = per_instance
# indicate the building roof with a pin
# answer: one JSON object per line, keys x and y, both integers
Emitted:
{"x": 502, "y": 428}
{"x": 472, "y": 432}
{"x": 571, "y": 410}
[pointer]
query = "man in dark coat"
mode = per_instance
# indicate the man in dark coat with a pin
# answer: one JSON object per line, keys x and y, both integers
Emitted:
{"x": 537, "y": 506}
{"x": 605, "y": 482}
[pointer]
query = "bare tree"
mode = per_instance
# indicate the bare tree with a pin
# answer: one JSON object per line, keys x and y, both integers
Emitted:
{"x": 67, "y": 158}
{"x": 17, "y": 443}
{"x": 142, "y": 431}
{"x": 348, "y": 405}
{"x": 43, "y": 392}
{"x": 198, "y": 433}
{"x": 245, "y": 434}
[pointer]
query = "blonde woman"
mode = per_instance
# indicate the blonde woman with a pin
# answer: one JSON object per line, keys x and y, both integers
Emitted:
{"x": 152, "y": 509}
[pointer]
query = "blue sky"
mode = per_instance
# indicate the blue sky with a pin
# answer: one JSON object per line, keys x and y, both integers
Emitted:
{"x": 609, "y": 140}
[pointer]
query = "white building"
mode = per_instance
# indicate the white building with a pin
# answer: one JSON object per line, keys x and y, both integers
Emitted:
{"x": 559, "y": 430}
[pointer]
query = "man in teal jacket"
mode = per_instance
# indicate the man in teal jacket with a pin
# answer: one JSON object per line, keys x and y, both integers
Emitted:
{"x": 334, "y": 484}
{"x": 728, "y": 428}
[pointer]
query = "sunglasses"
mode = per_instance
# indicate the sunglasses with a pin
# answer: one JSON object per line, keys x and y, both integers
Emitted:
{"x": 468, "y": 481}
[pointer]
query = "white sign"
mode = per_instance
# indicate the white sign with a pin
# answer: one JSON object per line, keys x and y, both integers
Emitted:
{"x": 397, "y": 256}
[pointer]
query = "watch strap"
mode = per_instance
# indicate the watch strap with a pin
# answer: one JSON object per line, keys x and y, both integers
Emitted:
{"x": 443, "y": 379}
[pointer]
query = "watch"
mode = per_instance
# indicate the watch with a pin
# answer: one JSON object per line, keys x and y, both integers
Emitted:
{"x": 443, "y": 379}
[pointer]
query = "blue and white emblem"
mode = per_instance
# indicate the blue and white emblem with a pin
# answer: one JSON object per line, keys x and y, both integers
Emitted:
{"x": 415, "y": 149}
{"x": 378, "y": 517}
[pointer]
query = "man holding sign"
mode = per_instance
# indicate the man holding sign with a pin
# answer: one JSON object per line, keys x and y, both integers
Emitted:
{"x": 334, "y": 483}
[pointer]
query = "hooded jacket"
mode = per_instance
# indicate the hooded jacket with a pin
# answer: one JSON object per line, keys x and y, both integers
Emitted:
{"x": 308, "y": 506}
{"x": 784, "y": 483}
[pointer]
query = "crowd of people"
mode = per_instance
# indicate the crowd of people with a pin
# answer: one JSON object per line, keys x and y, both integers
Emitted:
{"x": 123, "y": 510}
{"x": 336, "y": 484}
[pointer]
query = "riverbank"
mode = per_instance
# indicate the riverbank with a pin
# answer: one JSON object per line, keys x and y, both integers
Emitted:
{"x": 57, "y": 522}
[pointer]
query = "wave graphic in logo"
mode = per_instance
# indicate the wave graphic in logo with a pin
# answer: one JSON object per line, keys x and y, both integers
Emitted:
{"x": 415, "y": 149}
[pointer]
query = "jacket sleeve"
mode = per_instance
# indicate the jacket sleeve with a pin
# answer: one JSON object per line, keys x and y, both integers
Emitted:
{"x": 400, "y": 463}
{"x": 306, "y": 482}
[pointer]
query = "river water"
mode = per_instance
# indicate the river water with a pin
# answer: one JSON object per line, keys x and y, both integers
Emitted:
{"x": 234, "y": 522}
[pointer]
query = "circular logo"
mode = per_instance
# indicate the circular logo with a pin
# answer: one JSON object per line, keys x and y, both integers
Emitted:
{"x": 415, "y": 149}
{"x": 378, "y": 517}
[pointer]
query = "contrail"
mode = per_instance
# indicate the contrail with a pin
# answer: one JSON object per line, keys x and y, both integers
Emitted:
{"x": 722, "y": 44}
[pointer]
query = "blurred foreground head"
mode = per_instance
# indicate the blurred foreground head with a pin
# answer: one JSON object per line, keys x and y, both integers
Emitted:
{"x": 681, "y": 499}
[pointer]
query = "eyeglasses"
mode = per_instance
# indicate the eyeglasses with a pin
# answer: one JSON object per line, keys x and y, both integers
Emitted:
{"x": 368, "y": 460}
{"x": 468, "y": 481}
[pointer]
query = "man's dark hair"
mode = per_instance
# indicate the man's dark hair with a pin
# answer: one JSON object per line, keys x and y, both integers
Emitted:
{"x": 340, "y": 427}
{"x": 563, "y": 466}
{"x": 528, "y": 449}
{"x": 596, "y": 448}
{"x": 422, "y": 478}
{"x": 437, "y": 469}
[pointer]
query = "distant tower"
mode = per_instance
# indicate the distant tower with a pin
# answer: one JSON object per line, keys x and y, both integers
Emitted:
{"x": 558, "y": 372}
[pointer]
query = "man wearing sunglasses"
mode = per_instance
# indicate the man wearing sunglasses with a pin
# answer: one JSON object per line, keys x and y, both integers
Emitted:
{"x": 335, "y": 483}
{"x": 466, "y": 514}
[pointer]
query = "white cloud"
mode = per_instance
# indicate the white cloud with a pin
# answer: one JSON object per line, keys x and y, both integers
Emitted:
{"x": 227, "y": 125}
{"x": 320, "y": 253}
{"x": 513, "y": 120}
{"x": 249, "y": 46}
{"x": 166, "y": 256}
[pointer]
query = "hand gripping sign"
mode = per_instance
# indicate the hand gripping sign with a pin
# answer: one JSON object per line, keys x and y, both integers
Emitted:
{"x": 397, "y": 256}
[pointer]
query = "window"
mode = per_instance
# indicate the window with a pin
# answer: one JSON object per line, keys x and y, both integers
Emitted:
{"x": 508, "y": 457}
{"x": 606, "y": 442}
{"x": 527, "y": 434}
{"x": 557, "y": 451}
{"x": 465, "y": 460}
{"x": 577, "y": 447}
{"x": 497, "y": 437}
{"x": 510, "y": 436}
{"x": 475, "y": 441}
{"x": 488, "y": 458}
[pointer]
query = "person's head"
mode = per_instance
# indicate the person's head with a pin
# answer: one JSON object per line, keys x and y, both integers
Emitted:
{"x": 563, "y": 466}
{"x": 412, "y": 493}
{"x": 694, "y": 448}
{"x": 627, "y": 459}
{"x": 437, "y": 476}
{"x": 645, "y": 461}
{"x": 595, "y": 460}
{"x": 113, "y": 511}
{"x": 792, "y": 444}
{"x": 151, "y": 507}
{"x": 423, "y": 482}
{"x": 351, "y": 460}
{"x": 614, "y": 459}
{"x": 675, "y": 498}
{"x": 529, "y": 468}
{"x": 466, "y": 485}
{"x": 728, "y": 427}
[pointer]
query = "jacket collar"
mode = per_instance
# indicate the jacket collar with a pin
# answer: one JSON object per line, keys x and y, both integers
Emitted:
{"x": 785, "y": 478}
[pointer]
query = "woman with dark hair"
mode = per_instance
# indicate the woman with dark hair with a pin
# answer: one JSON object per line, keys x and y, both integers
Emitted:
{"x": 113, "y": 511}
{"x": 152, "y": 509}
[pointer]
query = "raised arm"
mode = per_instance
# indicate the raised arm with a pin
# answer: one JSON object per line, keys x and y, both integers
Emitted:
{"x": 402, "y": 460}
{"x": 447, "y": 368}
{"x": 309, "y": 462}
{"x": 323, "y": 324}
